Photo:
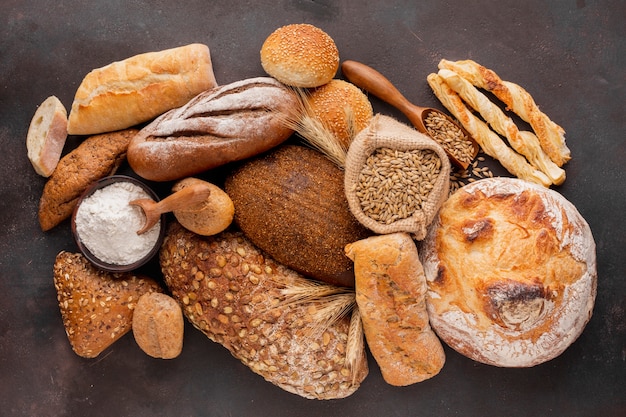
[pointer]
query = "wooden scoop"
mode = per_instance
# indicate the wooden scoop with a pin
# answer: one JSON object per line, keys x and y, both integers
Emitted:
{"x": 373, "y": 81}
{"x": 186, "y": 197}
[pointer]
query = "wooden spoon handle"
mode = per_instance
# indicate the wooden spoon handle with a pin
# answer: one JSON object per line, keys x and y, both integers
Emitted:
{"x": 373, "y": 81}
{"x": 184, "y": 198}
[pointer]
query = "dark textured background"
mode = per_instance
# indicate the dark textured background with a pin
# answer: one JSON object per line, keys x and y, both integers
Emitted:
{"x": 569, "y": 55}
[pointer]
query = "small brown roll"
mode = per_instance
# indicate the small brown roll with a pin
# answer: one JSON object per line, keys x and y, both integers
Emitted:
{"x": 300, "y": 55}
{"x": 158, "y": 325}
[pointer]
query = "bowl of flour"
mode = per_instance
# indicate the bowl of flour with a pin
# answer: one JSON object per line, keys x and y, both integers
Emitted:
{"x": 105, "y": 225}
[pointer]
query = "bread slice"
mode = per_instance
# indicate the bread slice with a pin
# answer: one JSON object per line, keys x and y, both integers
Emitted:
{"x": 96, "y": 306}
{"x": 46, "y": 136}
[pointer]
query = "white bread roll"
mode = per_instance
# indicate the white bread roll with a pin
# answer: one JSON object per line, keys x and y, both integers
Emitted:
{"x": 300, "y": 55}
{"x": 137, "y": 89}
{"x": 46, "y": 136}
{"x": 511, "y": 271}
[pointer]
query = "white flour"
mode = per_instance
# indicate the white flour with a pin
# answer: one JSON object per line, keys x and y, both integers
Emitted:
{"x": 107, "y": 225}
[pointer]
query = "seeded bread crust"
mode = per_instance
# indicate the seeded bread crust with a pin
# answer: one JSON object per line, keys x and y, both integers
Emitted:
{"x": 232, "y": 293}
{"x": 95, "y": 158}
{"x": 96, "y": 306}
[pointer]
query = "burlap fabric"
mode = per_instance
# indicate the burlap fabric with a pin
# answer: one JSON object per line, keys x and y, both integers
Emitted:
{"x": 386, "y": 132}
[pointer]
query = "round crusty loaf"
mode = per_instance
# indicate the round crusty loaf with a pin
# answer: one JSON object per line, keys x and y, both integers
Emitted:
{"x": 511, "y": 270}
{"x": 291, "y": 204}
{"x": 46, "y": 136}
{"x": 158, "y": 325}
{"x": 342, "y": 107}
{"x": 209, "y": 217}
{"x": 300, "y": 55}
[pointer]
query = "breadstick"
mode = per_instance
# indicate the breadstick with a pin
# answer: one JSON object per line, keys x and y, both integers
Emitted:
{"x": 488, "y": 140}
{"x": 526, "y": 144}
{"x": 550, "y": 135}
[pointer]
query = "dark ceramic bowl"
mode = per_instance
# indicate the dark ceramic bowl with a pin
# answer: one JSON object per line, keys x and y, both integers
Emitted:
{"x": 110, "y": 267}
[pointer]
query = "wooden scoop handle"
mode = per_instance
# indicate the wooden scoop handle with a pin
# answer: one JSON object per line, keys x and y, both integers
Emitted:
{"x": 373, "y": 81}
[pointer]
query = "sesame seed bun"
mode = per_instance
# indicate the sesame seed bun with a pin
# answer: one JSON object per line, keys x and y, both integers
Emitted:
{"x": 300, "y": 55}
{"x": 343, "y": 108}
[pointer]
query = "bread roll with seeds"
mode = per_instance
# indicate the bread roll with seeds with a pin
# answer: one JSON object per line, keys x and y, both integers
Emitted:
{"x": 300, "y": 55}
{"x": 96, "y": 306}
{"x": 234, "y": 294}
{"x": 342, "y": 108}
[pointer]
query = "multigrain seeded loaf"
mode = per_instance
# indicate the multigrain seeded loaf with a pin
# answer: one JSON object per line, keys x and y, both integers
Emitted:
{"x": 96, "y": 306}
{"x": 95, "y": 158}
{"x": 233, "y": 293}
{"x": 511, "y": 272}
{"x": 221, "y": 125}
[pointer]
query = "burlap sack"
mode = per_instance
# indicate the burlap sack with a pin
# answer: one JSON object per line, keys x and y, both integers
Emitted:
{"x": 386, "y": 132}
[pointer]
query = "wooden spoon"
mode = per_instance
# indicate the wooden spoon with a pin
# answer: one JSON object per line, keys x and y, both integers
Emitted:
{"x": 181, "y": 199}
{"x": 373, "y": 81}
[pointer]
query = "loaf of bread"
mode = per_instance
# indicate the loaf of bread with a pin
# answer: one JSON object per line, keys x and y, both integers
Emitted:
{"x": 511, "y": 271}
{"x": 137, "y": 89}
{"x": 290, "y": 202}
{"x": 391, "y": 295}
{"x": 221, "y": 125}
{"x": 46, "y": 136}
{"x": 95, "y": 158}
{"x": 96, "y": 306}
{"x": 235, "y": 295}
{"x": 300, "y": 55}
{"x": 158, "y": 325}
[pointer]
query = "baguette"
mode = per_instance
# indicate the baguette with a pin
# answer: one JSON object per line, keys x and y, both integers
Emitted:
{"x": 137, "y": 89}
{"x": 221, "y": 125}
{"x": 234, "y": 294}
{"x": 95, "y": 158}
{"x": 46, "y": 136}
{"x": 550, "y": 135}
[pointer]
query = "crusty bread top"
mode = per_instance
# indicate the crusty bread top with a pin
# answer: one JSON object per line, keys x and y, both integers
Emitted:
{"x": 300, "y": 55}
{"x": 137, "y": 89}
{"x": 342, "y": 107}
{"x": 46, "y": 136}
{"x": 511, "y": 271}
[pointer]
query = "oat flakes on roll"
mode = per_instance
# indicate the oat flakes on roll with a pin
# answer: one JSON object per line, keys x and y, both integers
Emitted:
{"x": 511, "y": 271}
{"x": 221, "y": 125}
{"x": 235, "y": 294}
{"x": 395, "y": 178}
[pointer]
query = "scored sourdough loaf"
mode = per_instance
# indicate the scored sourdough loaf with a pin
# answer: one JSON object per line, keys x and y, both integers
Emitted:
{"x": 221, "y": 125}
{"x": 96, "y": 306}
{"x": 137, "y": 89}
{"x": 511, "y": 271}
{"x": 290, "y": 203}
{"x": 95, "y": 158}
{"x": 234, "y": 294}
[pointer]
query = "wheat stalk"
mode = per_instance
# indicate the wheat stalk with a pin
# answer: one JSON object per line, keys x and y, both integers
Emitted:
{"x": 314, "y": 132}
{"x": 356, "y": 343}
